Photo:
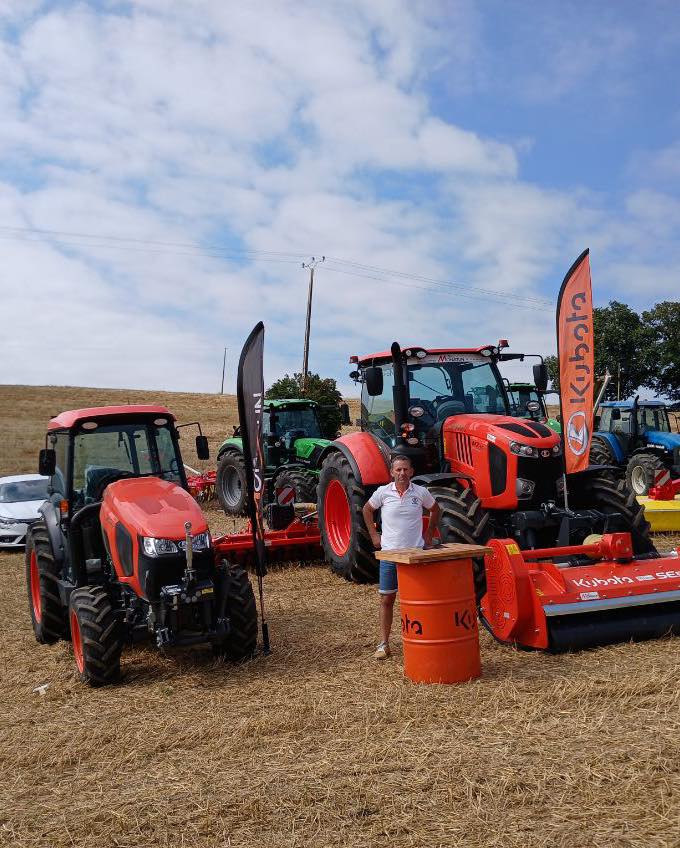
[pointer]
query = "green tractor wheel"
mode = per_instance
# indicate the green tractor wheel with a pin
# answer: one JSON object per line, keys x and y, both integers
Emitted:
{"x": 303, "y": 481}
{"x": 232, "y": 491}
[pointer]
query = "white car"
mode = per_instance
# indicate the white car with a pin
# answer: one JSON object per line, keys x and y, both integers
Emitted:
{"x": 20, "y": 498}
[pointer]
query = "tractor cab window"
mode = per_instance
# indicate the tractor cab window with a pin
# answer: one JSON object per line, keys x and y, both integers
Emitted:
{"x": 106, "y": 452}
{"x": 653, "y": 418}
{"x": 377, "y": 412}
{"x": 520, "y": 396}
{"x": 605, "y": 419}
{"x": 452, "y": 388}
{"x": 300, "y": 419}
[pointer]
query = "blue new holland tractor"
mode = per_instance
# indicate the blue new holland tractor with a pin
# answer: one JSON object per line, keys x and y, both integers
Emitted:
{"x": 636, "y": 436}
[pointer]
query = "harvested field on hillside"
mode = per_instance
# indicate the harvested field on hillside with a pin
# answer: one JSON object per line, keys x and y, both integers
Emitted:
{"x": 317, "y": 744}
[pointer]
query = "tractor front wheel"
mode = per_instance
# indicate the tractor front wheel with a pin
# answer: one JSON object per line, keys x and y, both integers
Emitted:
{"x": 602, "y": 454}
{"x": 303, "y": 481}
{"x": 242, "y": 613}
{"x": 232, "y": 491}
{"x": 602, "y": 493}
{"x": 96, "y": 636}
{"x": 464, "y": 520}
{"x": 346, "y": 543}
{"x": 48, "y": 614}
{"x": 641, "y": 471}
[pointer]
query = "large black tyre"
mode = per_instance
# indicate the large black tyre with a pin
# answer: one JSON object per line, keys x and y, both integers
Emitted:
{"x": 641, "y": 470}
{"x": 303, "y": 481}
{"x": 242, "y": 613}
{"x": 96, "y": 636}
{"x": 232, "y": 491}
{"x": 609, "y": 496}
{"x": 602, "y": 454}
{"x": 464, "y": 520}
{"x": 48, "y": 614}
{"x": 345, "y": 539}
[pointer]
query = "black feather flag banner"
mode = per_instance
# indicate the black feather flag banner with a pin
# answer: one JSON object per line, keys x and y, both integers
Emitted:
{"x": 250, "y": 394}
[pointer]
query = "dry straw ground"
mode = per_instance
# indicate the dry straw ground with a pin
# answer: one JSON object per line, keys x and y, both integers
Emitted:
{"x": 317, "y": 744}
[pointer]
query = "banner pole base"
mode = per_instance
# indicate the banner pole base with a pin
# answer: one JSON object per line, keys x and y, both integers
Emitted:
{"x": 266, "y": 648}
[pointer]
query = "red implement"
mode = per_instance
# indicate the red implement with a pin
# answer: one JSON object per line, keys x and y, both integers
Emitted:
{"x": 202, "y": 486}
{"x": 666, "y": 491}
{"x": 570, "y": 598}
{"x": 299, "y": 541}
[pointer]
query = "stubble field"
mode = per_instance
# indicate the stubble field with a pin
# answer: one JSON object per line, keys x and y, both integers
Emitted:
{"x": 317, "y": 744}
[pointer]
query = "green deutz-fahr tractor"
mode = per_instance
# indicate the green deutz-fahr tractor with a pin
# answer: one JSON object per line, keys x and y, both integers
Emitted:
{"x": 294, "y": 450}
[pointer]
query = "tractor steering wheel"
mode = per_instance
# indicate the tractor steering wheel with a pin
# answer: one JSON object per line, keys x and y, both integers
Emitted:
{"x": 105, "y": 481}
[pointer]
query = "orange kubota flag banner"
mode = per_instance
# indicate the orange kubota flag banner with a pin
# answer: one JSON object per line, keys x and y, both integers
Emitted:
{"x": 576, "y": 356}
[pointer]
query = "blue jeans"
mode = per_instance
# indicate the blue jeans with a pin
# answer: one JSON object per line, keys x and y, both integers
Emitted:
{"x": 388, "y": 578}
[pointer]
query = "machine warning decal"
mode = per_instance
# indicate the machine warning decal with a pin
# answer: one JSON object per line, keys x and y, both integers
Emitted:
{"x": 512, "y": 548}
{"x": 589, "y": 596}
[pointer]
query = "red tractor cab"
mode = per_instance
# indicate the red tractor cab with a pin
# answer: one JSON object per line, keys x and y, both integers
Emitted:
{"x": 122, "y": 551}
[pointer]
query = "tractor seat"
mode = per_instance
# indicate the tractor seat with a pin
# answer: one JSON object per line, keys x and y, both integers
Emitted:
{"x": 291, "y": 436}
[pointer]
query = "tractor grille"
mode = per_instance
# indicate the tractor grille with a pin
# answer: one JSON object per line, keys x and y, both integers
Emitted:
{"x": 463, "y": 447}
{"x": 544, "y": 473}
{"x": 156, "y": 572}
{"x": 498, "y": 469}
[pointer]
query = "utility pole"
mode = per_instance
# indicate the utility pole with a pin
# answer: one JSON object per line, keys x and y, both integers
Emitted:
{"x": 224, "y": 365}
{"x": 305, "y": 356}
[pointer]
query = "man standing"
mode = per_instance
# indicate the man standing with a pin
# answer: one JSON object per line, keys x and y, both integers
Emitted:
{"x": 401, "y": 503}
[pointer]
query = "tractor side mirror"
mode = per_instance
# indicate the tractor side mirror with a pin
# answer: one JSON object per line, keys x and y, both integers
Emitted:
{"x": 541, "y": 376}
{"x": 202, "y": 449}
{"x": 374, "y": 380}
{"x": 47, "y": 462}
{"x": 344, "y": 414}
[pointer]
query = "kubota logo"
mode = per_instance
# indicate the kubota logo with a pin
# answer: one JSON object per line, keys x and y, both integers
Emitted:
{"x": 577, "y": 433}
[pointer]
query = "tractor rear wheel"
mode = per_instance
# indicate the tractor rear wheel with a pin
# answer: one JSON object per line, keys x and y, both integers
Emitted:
{"x": 242, "y": 613}
{"x": 641, "y": 471}
{"x": 48, "y": 614}
{"x": 464, "y": 520}
{"x": 346, "y": 543}
{"x": 303, "y": 481}
{"x": 602, "y": 454}
{"x": 606, "y": 495}
{"x": 232, "y": 490}
{"x": 95, "y": 634}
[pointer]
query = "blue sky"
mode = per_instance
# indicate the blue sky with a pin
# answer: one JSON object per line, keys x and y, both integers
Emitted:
{"x": 167, "y": 167}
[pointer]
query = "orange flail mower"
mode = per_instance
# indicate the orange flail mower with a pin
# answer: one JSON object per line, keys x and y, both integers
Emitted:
{"x": 569, "y": 598}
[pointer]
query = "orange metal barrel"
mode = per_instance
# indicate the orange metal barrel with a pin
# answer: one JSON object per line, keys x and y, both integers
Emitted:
{"x": 438, "y": 613}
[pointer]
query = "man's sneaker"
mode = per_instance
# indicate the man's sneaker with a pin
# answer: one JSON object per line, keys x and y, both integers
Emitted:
{"x": 382, "y": 651}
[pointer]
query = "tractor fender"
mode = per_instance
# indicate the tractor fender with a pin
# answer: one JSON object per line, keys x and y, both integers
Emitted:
{"x": 368, "y": 457}
{"x": 50, "y": 512}
{"x": 232, "y": 444}
{"x": 613, "y": 443}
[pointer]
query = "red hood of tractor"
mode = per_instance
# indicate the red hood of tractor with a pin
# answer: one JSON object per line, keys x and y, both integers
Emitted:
{"x": 491, "y": 427}
{"x": 154, "y": 507}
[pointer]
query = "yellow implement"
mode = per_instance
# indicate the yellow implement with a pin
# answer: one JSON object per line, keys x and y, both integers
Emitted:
{"x": 663, "y": 516}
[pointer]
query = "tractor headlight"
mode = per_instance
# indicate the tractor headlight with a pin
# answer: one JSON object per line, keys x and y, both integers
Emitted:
{"x": 557, "y": 450}
{"x": 200, "y": 542}
{"x": 524, "y": 488}
{"x": 524, "y": 450}
{"x": 163, "y": 547}
{"x": 159, "y": 547}
{"x": 416, "y": 411}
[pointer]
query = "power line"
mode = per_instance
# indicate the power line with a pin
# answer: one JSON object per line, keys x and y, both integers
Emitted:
{"x": 351, "y": 268}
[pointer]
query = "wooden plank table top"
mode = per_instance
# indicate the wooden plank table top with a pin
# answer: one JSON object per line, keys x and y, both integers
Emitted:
{"x": 442, "y": 553}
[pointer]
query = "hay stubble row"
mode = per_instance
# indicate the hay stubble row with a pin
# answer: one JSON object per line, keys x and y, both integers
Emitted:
{"x": 318, "y": 745}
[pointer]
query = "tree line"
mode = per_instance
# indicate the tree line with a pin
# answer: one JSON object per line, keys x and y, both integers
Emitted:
{"x": 639, "y": 350}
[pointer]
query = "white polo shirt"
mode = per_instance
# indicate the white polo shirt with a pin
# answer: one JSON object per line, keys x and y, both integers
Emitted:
{"x": 402, "y": 515}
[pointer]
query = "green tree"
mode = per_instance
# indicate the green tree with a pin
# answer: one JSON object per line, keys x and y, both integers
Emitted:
{"x": 323, "y": 390}
{"x": 662, "y": 351}
{"x": 621, "y": 340}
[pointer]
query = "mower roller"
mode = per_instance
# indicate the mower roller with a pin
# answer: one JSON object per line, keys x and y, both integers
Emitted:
{"x": 579, "y": 596}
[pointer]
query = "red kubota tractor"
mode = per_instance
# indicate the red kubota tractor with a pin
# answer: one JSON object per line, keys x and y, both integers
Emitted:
{"x": 498, "y": 477}
{"x": 123, "y": 551}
